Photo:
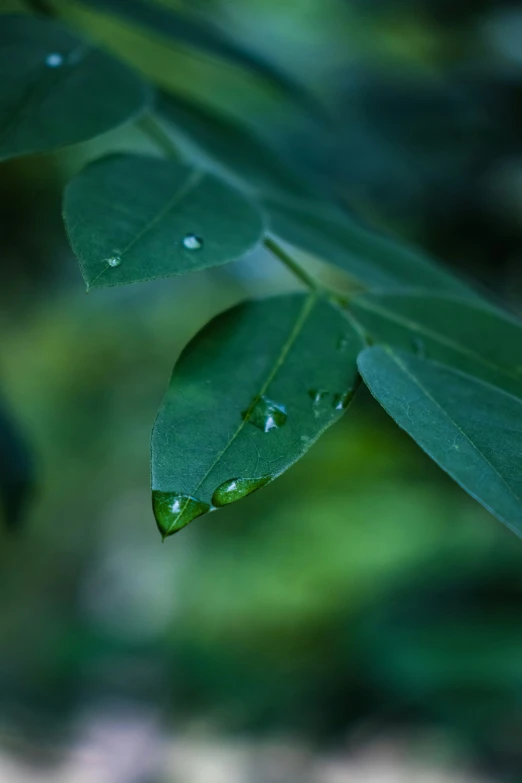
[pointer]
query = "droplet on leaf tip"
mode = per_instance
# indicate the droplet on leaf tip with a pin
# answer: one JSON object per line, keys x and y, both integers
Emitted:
{"x": 341, "y": 401}
{"x": 174, "y": 511}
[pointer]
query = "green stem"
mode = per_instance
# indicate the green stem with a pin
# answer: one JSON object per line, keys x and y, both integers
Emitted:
{"x": 154, "y": 130}
{"x": 296, "y": 269}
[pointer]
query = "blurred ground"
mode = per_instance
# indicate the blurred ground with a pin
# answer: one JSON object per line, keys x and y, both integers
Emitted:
{"x": 361, "y": 618}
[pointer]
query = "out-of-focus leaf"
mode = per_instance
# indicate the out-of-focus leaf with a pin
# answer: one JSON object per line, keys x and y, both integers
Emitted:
{"x": 480, "y": 341}
{"x": 471, "y": 429}
{"x": 58, "y": 90}
{"x": 371, "y": 258}
{"x": 200, "y": 34}
{"x": 250, "y": 160}
{"x": 16, "y": 471}
{"x": 131, "y": 218}
{"x": 248, "y": 397}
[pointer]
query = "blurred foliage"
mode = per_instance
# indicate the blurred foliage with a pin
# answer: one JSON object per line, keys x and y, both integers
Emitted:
{"x": 362, "y": 588}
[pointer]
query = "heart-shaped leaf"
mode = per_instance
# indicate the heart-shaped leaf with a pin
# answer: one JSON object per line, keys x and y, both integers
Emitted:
{"x": 375, "y": 260}
{"x": 471, "y": 429}
{"x": 131, "y": 218}
{"x": 57, "y": 89}
{"x": 248, "y": 397}
{"x": 479, "y": 340}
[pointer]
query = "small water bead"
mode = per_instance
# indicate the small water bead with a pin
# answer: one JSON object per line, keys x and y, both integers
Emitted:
{"x": 317, "y": 395}
{"x": 341, "y": 401}
{"x": 266, "y": 415}
{"x": 113, "y": 261}
{"x": 192, "y": 242}
{"x": 174, "y": 511}
{"x": 237, "y": 488}
{"x": 54, "y": 60}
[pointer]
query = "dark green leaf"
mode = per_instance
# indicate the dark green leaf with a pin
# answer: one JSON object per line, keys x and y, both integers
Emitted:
{"x": 480, "y": 341}
{"x": 251, "y": 160}
{"x": 248, "y": 397}
{"x": 369, "y": 257}
{"x": 58, "y": 90}
{"x": 200, "y": 34}
{"x": 16, "y": 470}
{"x": 471, "y": 429}
{"x": 131, "y": 218}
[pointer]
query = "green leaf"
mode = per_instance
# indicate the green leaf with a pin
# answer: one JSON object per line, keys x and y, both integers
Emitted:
{"x": 471, "y": 429}
{"x": 480, "y": 341}
{"x": 253, "y": 162}
{"x": 198, "y": 33}
{"x": 371, "y": 258}
{"x": 248, "y": 397}
{"x": 131, "y": 218}
{"x": 58, "y": 90}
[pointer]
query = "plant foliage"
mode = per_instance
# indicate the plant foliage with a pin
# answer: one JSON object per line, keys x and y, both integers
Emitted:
{"x": 258, "y": 385}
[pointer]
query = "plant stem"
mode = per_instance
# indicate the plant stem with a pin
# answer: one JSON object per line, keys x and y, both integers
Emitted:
{"x": 153, "y": 129}
{"x": 293, "y": 266}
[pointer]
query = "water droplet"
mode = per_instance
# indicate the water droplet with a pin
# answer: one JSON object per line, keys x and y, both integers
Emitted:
{"x": 343, "y": 343}
{"x": 341, "y": 401}
{"x": 173, "y": 511}
{"x": 419, "y": 347}
{"x": 113, "y": 261}
{"x": 266, "y": 415}
{"x": 238, "y": 488}
{"x": 54, "y": 60}
{"x": 192, "y": 242}
{"x": 317, "y": 395}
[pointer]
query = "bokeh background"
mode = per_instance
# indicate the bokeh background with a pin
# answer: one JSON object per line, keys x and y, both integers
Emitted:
{"x": 361, "y": 618}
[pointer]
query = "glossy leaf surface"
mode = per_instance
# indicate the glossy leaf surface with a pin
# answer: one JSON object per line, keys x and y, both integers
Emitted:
{"x": 248, "y": 397}
{"x": 58, "y": 90}
{"x": 480, "y": 341}
{"x": 131, "y": 218}
{"x": 373, "y": 259}
{"x": 471, "y": 429}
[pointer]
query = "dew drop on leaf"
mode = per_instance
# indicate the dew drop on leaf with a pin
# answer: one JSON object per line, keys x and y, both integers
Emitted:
{"x": 54, "y": 60}
{"x": 341, "y": 401}
{"x": 192, "y": 242}
{"x": 113, "y": 261}
{"x": 237, "y": 488}
{"x": 266, "y": 415}
{"x": 317, "y": 395}
{"x": 173, "y": 511}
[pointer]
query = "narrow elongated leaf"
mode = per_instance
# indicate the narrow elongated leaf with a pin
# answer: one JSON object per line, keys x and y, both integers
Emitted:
{"x": 478, "y": 340}
{"x": 58, "y": 90}
{"x": 471, "y": 429}
{"x": 131, "y": 218}
{"x": 371, "y": 258}
{"x": 250, "y": 160}
{"x": 202, "y": 35}
{"x": 16, "y": 471}
{"x": 248, "y": 397}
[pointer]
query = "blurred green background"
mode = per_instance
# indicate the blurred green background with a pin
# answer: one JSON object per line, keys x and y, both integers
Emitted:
{"x": 360, "y": 619}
